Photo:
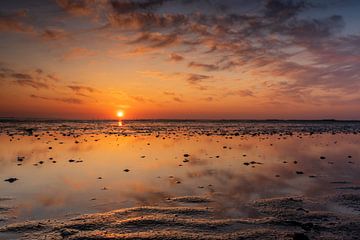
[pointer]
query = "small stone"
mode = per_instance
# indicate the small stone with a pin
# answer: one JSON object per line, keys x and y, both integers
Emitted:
{"x": 300, "y": 236}
{"x": 11, "y": 180}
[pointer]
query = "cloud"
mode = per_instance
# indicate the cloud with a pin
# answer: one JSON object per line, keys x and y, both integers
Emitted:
{"x": 146, "y": 21}
{"x": 14, "y": 22}
{"x": 35, "y": 78}
{"x": 240, "y": 92}
{"x": 78, "y": 52}
{"x": 176, "y": 57}
{"x": 197, "y": 78}
{"x": 65, "y": 100}
{"x": 128, "y": 6}
{"x": 82, "y": 90}
{"x": 265, "y": 40}
{"x": 77, "y": 7}
{"x": 281, "y": 10}
{"x": 53, "y": 34}
{"x": 169, "y": 93}
{"x": 206, "y": 67}
{"x": 177, "y": 99}
{"x": 208, "y": 99}
{"x": 31, "y": 83}
{"x": 141, "y": 99}
{"x": 78, "y": 88}
{"x": 156, "y": 40}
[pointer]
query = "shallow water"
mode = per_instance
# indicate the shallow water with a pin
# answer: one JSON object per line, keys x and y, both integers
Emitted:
{"x": 229, "y": 162}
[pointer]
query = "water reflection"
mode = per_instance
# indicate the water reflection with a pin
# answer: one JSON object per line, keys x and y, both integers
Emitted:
{"x": 120, "y": 123}
{"x": 230, "y": 170}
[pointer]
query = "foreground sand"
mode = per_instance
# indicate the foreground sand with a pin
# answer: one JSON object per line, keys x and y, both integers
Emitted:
{"x": 332, "y": 217}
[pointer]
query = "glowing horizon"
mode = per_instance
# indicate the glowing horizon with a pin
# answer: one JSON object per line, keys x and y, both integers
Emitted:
{"x": 262, "y": 59}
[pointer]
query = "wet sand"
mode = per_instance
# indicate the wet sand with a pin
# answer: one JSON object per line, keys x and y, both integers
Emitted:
{"x": 180, "y": 180}
{"x": 331, "y": 217}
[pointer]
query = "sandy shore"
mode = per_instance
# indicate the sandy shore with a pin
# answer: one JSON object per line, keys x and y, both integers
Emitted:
{"x": 331, "y": 217}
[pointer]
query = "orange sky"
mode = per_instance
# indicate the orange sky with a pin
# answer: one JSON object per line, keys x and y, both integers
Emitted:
{"x": 179, "y": 59}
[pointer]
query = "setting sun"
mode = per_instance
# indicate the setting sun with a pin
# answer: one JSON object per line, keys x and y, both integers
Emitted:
{"x": 120, "y": 114}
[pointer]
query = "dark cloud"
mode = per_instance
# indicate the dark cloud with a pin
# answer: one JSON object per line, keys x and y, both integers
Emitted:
{"x": 53, "y": 34}
{"x": 78, "y": 88}
{"x": 146, "y": 20}
{"x": 206, "y": 67}
{"x": 14, "y": 22}
{"x": 312, "y": 29}
{"x": 176, "y": 57}
{"x": 31, "y": 83}
{"x": 156, "y": 40}
{"x": 82, "y": 90}
{"x": 77, "y": 7}
{"x": 35, "y": 78}
{"x": 197, "y": 78}
{"x": 129, "y": 6}
{"x": 177, "y": 99}
{"x": 284, "y": 9}
{"x": 240, "y": 92}
{"x": 65, "y": 100}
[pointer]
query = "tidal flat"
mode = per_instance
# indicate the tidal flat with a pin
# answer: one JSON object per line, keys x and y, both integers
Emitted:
{"x": 179, "y": 179}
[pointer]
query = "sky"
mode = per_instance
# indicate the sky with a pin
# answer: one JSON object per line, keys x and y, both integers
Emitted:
{"x": 180, "y": 59}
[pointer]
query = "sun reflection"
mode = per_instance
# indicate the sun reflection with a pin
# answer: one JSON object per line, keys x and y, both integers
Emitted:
{"x": 120, "y": 123}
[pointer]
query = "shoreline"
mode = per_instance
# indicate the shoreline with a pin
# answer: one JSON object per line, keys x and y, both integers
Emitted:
{"x": 296, "y": 217}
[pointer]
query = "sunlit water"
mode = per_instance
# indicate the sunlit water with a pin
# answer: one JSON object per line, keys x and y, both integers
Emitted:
{"x": 130, "y": 164}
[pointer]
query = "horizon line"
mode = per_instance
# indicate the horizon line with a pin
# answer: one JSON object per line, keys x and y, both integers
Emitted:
{"x": 171, "y": 119}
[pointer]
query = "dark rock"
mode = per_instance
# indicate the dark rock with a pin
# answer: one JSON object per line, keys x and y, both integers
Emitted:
{"x": 11, "y": 180}
{"x": 300, "y": 236}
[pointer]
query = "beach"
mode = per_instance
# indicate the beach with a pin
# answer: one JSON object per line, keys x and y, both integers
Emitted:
{"x": 180, "y": 180}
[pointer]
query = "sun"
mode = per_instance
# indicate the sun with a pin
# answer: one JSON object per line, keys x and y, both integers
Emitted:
{"x": 120, "y": 114}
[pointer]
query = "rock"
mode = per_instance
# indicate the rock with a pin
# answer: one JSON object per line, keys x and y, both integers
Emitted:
{"x": 299, "y": 172}
{"x": 300, "y": 236}
{"x": 186, "y": 155}
{"x": 11, "y": 180}
{"x": 126, "y": 170}
{"x": 322, "y": 157}
{"x": 71, "y": 160}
